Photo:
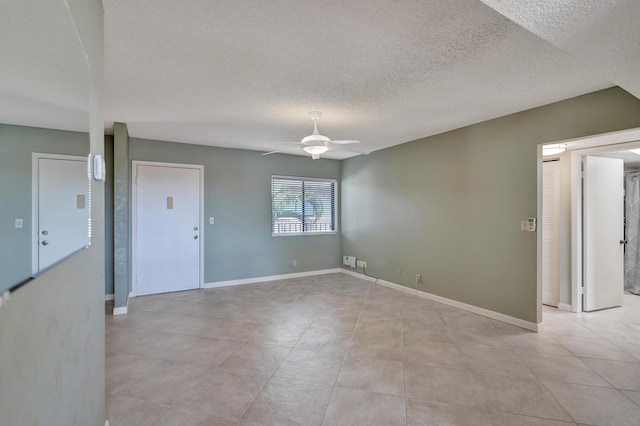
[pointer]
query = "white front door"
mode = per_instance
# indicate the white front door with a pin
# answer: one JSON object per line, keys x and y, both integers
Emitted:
{"x": 61, "y": 208}
{"x": 551, "y": 233}
{"x": 167, "y": 248}
{"x": 603, "y": 227}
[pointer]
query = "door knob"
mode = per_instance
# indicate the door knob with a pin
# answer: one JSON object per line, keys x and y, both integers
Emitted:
{"x": 623, "y": 241}
{"x": 45, "y": 242}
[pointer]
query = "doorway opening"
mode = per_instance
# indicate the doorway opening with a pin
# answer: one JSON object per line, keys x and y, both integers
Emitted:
{"x": 577, "y": 223}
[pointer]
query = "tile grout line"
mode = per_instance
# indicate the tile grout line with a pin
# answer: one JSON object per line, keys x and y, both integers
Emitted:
{"x": 346, "y": 354}
{"x": 557, "y": 402}
{"x": 276, "y": 370}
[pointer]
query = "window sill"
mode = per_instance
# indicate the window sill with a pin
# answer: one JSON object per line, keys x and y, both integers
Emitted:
{"x": 303, "y": 234}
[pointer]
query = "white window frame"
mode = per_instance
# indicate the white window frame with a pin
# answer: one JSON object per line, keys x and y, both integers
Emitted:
{"x": 307, "y": 179}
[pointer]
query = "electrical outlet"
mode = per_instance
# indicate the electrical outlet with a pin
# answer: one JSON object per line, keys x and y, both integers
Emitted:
{"x": 19, "y": 223}
{"x": 295, "y": 262}
{"x": 398, "y": 272}
{"x": 418, "y": 278}
{"x": 362, "y": 264}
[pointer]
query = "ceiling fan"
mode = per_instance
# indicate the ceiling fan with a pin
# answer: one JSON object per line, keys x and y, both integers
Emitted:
{"x": 317, "y": 144}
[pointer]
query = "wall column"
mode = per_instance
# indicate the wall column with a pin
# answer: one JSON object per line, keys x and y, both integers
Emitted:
{"x": 121, "y": 212}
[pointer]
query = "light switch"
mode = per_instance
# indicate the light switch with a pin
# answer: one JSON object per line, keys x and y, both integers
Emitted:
{"x": 169, "y": 203}
{"x": 211, "y": 221}
{"x": 18, "y": 223}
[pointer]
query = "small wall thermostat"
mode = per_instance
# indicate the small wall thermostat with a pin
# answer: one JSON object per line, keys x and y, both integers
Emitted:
{"x": 528, "y": 225}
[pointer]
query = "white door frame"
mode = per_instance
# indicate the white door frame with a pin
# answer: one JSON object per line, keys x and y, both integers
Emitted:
{"x": 620, "y": 140}
{"x": 134, "y": 217}
{"x": 35, "y": 200}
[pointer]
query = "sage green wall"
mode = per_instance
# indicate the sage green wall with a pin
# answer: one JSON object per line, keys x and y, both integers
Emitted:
{"x": 237, "y": 192}
{"x": 17, "y": 143}
{"x": 121, "y": 215}
{"x": 108, "y": 216}
{"x": 52, "y": 332}
{"x": 449, "y": 206}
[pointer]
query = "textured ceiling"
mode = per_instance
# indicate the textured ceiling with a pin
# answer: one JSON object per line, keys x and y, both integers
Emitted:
{"x": 245, "y": 73}
{"x": 602, "y": 34}
{"x": 45, "y": 79}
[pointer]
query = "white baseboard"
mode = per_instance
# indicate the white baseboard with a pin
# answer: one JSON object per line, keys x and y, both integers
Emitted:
{"x": 527, "y": 325}
{"x": 564, "y": 307}
{"x": 117, "y": 311}
{"x": 537, "y": 327}
{"x": 120, "y": 311}
{"x": 271, "y": 278}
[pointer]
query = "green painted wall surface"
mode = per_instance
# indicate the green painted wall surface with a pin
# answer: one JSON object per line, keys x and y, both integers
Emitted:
{"x": 237, "y": 193}
{"x": 108, "y": 216}
{"x": 449, "y": 206}
{"x": 17, "y": 143}
{"x": 52, "y": 369}
{"x": 121, "y": 215}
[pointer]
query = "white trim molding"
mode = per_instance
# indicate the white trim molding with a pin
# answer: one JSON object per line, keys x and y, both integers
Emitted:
{"x": 564, "y": 307}
{"x": 108, "y": 297}
{"x": 537, "y": 327}
{"x": 527, "y": 325}
{"x": 120, "y": 311}
{"x": 271, "y": 278}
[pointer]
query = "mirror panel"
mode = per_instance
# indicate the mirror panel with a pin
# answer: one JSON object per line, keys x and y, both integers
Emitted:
{"x": 44, "y": 139}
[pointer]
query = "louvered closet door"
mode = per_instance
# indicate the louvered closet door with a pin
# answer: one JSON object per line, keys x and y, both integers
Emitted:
{"x": 551, "y": 233}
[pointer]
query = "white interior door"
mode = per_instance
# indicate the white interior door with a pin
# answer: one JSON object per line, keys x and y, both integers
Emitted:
{"x": 61, "y": 219}
{"x": 168, "y": 229}
{"x": 603, "y": 227}
{"x": 551, "y": 233}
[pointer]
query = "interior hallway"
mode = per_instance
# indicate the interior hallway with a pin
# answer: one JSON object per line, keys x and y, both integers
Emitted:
{"x": 335, "y": 349}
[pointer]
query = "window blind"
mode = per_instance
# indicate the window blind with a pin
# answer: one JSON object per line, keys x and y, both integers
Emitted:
{"x": 302, "y": 205}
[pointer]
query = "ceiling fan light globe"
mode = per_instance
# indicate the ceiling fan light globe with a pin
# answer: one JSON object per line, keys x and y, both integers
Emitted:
{"x": 315, "y": 149}
{"x": 317, "y": 138}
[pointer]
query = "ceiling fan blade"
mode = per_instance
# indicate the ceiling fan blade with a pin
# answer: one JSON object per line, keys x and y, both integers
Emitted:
{"x": 346, "y": 142}
{"x": 286, "y": 142}
{"x": 279, "y": 150}
{"x": 337, "y": 147}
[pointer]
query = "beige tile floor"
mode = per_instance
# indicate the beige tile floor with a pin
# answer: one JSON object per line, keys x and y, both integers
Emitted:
{"x": 337, "y": 350}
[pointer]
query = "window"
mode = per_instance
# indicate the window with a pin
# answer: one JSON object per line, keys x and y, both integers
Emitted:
{"x": 302, "y": 206}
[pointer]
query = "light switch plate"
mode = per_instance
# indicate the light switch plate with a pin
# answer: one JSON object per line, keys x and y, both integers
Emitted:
{"x": 19, "y": 223}
{"x": 211, "y": 221}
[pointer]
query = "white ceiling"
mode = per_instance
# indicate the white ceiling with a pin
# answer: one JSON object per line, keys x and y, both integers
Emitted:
{"x": 44, "y": 76}
{"x": 631, "y": 160}
{"x": 245, "y": 73}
